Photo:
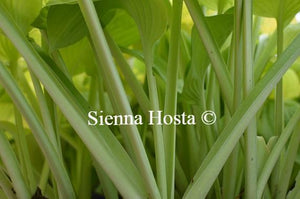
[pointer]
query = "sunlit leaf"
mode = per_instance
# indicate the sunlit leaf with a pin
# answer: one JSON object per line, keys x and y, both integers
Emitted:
{"x": 23, "y": 11}
{"x": 271, "y": 8}
{"x": 122, "y": 29}
{"x": 7, "y": 108}
{"x": 150, "y": 17}
{"x": 220, "y": 5}
{"x": 266, "y": 50}
{"x": 8, "y": 52}
{"x": 291, "y": 85}
{"x": 79, "y": 57}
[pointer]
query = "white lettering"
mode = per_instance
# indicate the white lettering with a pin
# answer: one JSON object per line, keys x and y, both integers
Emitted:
{"x": 93, "y": 116}
{"x": 152, "y": 117}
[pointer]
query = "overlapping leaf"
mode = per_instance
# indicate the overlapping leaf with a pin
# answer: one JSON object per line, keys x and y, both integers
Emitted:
{"x": 150, "y": 17}
{"x": 79, "y": 58}
{"x": 122, "y": 29}
{"x": 22, "y": 11}
{"x": 65, "y": 25}
{"x": 265, "y": 122}
{"x": 272, "y": 8}
{"x": 220, "y": 26}
{"x": 295, "y": 192}
{"x": 8, "y": 52}
{"x": 220, "y": 5}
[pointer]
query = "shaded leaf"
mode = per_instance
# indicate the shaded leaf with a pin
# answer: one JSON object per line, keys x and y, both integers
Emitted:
{"x": 295, "y": 192}
{"x": 41, "y": 21}
{"x": 265, "y": 122}
{"x": 65, "y": 26}
{"x": 38, "y": 194}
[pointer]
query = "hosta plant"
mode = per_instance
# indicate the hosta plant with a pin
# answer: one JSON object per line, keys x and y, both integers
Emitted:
{"x": 149, "y": 99}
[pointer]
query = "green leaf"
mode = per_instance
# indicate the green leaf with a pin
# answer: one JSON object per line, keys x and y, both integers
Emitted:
{"x": 291, "y": 85}
{"x": 267, "y": 49}
{"x": 220, "y": 26}
{"x": 65, "y": 26}
{"x": 150, "y": 17}
{"x": 41, "y": 21}
{"x": 289, "y": 34}
{"x": 159, "y": 65}
{"x": 122, "y": 28}
{"x": 272, "y": 8}
{"x": 265, "y": 122}
{"x": 7, "y": 110}
{"x": 214, "y": 52}
{"x": 263, "y": 151}
{"x": 79, "y": 58}
{"x": 8, "y": 52}
{"x": 220, "y": 5}
{"x": 22, "y": 11}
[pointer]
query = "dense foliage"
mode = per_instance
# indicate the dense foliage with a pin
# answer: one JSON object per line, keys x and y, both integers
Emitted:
{"x": 61, "y": 59}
